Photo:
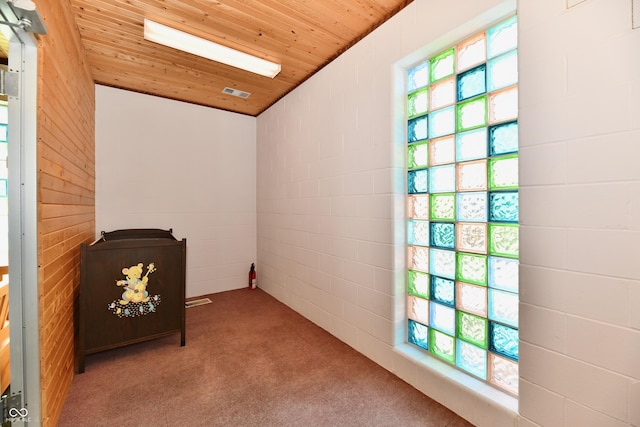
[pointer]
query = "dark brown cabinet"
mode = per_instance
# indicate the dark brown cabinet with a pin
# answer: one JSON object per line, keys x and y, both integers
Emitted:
{"x": 132, "y": 289}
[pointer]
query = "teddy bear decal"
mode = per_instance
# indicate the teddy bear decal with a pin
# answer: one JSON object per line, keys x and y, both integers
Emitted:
{"x": 135, "y": 299}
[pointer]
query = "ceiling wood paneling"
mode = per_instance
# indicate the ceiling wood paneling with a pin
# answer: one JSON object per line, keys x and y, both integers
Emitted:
{"x": 302, "y": 35}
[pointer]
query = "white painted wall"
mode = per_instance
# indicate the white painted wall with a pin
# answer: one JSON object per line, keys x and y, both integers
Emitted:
{"x": 167, "y": 164}
{"x": 331, "y": 207}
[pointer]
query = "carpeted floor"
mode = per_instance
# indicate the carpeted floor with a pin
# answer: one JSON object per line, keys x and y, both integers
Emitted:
{"x": 249, "y": 360}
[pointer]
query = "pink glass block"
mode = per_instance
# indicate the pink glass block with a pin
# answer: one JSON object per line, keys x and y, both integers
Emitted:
{"x": 443, "y": 94}
{"x": 418, "y": 258}
{"x": 418, "y": 207}
{"x": 472, "y": 176}
{"x": 503, "y": 373}
{"x": 503, "y": 105}
{"x": 471, "y": 237}
{"x": 471, "y": 52}
{"x": 471, "y": 298}
{"x": 442, "y": 150}
{"x": 418, "y": 309}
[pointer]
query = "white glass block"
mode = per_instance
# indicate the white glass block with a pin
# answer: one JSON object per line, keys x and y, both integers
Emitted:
{"x": 472, "y": 207}
{"x": 442, "y": 179}
{"x": 471, "y": 298}
{"x": 471, "y": 237}
{"x": 471, "y": 145}
{"x": 471, "y": 359}
{"x": 471, "y": 52}
{"x": 418, "y": 258}
{"x": 502, "y": 37}
{"x": 443, "y": 122}
{"x": 503, "y": 273}
{"x": 503, "y": 373}
{"x": 418, "y": 207}
{"x": 418, "y": 309}
{"x": 443, "y": 94}
{"x": 472, "y": 176}
{"x": 443, "y": 318}
{"x": 442, "y": 263}
{"x": 418, "y": 232}
{"x": 502, "y": 71}
{"x": 4, "y": 148}
{"x": 503, "y": 105}
{"x": 503, "y": 307}
{"x": 442, "y": 150}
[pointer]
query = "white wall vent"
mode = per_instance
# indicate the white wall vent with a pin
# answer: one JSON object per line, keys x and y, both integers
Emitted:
{"x": 236, "y": 92}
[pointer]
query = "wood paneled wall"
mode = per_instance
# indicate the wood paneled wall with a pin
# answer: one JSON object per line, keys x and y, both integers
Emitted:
{"x": 66, "y": 194}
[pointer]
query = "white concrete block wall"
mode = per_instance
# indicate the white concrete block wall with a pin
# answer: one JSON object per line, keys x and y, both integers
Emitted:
{"x": 328, "y": 190}
{"x": 167, "y": 164}
{"x": 579, "y": 287}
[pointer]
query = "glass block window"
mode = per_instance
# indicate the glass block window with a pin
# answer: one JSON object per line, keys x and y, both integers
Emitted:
{"x": 462, "y": 205}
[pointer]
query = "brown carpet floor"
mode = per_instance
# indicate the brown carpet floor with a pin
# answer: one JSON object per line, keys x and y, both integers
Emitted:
{"x": 249, "y": 360}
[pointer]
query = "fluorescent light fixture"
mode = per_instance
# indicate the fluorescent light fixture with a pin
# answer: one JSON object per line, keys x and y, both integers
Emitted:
{"x": 207, "y": 49}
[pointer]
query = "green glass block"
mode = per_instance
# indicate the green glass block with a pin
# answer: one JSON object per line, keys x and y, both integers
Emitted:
{"x": 471, "y": 359}
{"x": 443, "y": 122}
{"x": 502, "y": 37}
{"x": 418, "y": 76}
{"x": 504, "y": 240}
{"x": 418, "y": 309}
{"x": 442, "y": 65}
{"x": 472, "y": 329}
{"x": 503, "y": 172}
{"x": 418, "y": 155}
{"x": 442, "y": 345}
{"x": 418, "y": 103}
{"x": 471, "y": 268}
{"x": 443, "y": 207}
{"x": 418, "y": 283}
{"x": 471, "y": 114}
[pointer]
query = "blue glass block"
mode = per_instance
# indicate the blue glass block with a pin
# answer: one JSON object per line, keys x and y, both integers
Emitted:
{"x": 471, "y": 359}
{"x": 502, "y": 71}
{"x": 502, "y": 37}
{"x": 503, "y": 340}
{"x": 418, "y": 334}
{"x": 503, "y": 273}
{"x": 471, "y": 145}
{"x": 503, "y": 307}
{"x": 4, "y": 133}
{"x": 443, "y": 291}
{"x": 417, "y": 129}
{"x": 418, "y": 76}
{"x": 417, "y": 181}
{"x": 472, "y": 207}
{"x": 471, "y": 83}
{"x": 443, "y": 122}
{"x": 442, "y": 263}
{"x": 504, "y": 206}
{"x": 4, "y": 188}
{"x": 503, "y": 139}
{"x": 442, "y": 179}
{"x": 443, "y": 235}
{"x": 442, "y": 318}
{"x": 418, "y": 232}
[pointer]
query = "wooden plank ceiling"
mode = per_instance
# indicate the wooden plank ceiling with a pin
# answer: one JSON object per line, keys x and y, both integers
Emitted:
{"x": 302, "y": 35}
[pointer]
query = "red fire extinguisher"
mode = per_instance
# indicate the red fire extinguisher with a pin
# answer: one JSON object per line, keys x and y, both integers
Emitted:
{"x": 253, "y": 277}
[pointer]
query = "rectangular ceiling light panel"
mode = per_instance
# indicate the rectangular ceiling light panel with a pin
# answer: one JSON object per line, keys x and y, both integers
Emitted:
{"x": 177, "y": 39}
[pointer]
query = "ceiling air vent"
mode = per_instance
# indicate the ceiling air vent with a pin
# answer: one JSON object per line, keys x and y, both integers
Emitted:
{"x": 236, "y": 92}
